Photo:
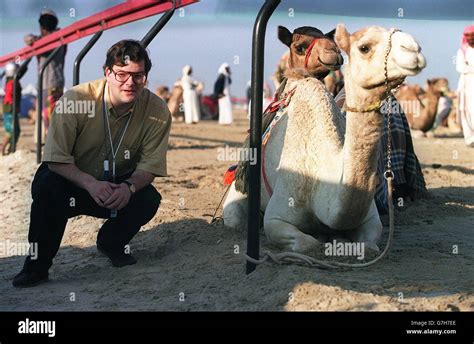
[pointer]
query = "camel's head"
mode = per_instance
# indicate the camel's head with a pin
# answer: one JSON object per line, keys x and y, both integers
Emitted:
{"x": 439, "y": 85}
{"x": 311, "y": 50}
{"x": 366, "y": 50}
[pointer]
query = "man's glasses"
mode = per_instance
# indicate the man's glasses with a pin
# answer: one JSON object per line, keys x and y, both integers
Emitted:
{"x": 138, "y": 78}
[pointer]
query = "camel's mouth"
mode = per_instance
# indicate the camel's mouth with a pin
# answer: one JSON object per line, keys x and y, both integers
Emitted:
{"x": 411, "y": 71}
{"x": 333, "y": 67}
{"x": 392, "y": 83}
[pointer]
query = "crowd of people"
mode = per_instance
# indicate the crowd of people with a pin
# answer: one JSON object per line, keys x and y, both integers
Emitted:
{"x": 186, "y": 98}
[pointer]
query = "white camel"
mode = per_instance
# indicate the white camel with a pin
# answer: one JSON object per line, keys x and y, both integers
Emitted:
{"x": 321, "y": 169}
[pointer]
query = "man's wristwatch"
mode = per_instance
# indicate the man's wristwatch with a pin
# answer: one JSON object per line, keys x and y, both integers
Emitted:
{"x": 131, "y": 187}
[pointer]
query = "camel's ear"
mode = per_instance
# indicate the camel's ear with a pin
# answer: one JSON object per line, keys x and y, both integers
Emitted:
{"x": 330, "y": 34}
{"x": 285, "y": 36}
{"x": 343, "y": 38}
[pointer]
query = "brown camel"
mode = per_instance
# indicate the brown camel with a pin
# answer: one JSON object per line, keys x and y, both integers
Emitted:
{"x": 301, "y": 43}
{"x": 175, "y": 101}
{"x": 420, "y": 106}
{"x": 312, "y": 54}
{"x": 163, "y": 92}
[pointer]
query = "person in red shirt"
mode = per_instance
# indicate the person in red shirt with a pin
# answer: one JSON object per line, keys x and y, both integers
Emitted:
{"x": 8, "y": 116}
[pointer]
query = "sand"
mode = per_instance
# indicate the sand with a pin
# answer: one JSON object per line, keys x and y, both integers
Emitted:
{"x": 187, "y": 264}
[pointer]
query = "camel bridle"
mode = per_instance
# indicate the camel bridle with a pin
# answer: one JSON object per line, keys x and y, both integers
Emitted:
{"x": 308, "y": 52}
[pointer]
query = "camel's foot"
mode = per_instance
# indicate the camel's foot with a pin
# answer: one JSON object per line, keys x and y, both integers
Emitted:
{"x": 370, "y": 231}
{"x": 303, "y": 244}
{"x": 290, "y": 238}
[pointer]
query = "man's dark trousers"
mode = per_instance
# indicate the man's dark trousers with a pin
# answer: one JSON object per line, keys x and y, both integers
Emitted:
{"x": 55, "y": 200}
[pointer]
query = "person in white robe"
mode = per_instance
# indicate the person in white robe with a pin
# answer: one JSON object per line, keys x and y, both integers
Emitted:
{"x": 465, "y": 66}
{"x": 222, "y": 92}
{"x": 192, "y": 110}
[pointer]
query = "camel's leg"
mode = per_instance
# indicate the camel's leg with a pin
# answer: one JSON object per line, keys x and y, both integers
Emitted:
{"x": 370, "y": 231}
{"x": 279, "y": 225}
{"x": 235, "y": 209}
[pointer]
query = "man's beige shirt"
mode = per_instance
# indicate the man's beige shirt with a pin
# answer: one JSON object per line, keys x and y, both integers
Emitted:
{"x": 78, "y": 135}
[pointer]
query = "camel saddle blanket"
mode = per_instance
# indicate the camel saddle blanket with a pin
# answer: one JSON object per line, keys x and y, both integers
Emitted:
{"x": 274, "y": 112}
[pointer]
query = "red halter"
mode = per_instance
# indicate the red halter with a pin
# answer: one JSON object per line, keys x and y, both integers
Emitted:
{"x": 308, "y": 52}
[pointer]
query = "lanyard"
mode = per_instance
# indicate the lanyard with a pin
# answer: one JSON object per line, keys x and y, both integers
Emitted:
{"x": 105, "y": 113}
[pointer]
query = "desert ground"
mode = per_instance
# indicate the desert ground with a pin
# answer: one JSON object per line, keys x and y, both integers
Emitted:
{"x": 187, "y": 264}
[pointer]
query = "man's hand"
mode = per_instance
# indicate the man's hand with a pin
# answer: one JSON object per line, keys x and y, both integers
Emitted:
{"x": 30, "y": 39}
{"x": 119, "y": 198}
{"x": 101, "y": 191}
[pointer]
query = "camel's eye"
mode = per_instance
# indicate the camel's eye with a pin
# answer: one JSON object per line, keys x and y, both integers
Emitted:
{"x": 364, "y": 49}
{"x": 299, "y": 49}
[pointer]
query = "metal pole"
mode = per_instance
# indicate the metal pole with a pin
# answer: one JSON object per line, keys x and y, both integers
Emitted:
{"x": 258, "y": 49}
{"x": 80, "y": 56}
{"x": 39, "y": 110}
{"x": 158, "y": 26}
{"x": 16, "y": 78}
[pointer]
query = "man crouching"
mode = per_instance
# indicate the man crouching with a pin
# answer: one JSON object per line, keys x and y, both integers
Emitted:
{"x": 105, "y": 145}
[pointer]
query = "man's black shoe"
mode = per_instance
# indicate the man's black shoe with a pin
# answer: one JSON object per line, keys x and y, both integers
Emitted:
{"x": 118, "y": 258}
{"x": 29, "y": 279}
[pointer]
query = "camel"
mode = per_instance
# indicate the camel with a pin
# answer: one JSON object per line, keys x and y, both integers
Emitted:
{"x": 306, "y": 41}
{"x": 175, "y": 101}
{"x": 320, "y": 168}
{"x": 312, "y": 53}
{"x": 421, "y": 106}
{"x": 303, "y": 40}
{"x": 163, "y": 92}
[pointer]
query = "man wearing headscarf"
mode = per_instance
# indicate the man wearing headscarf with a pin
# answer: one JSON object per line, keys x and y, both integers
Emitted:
{"x": 222, "y": 92}
{"x": 192, "y": 111}
{"x": 465, "y": 67}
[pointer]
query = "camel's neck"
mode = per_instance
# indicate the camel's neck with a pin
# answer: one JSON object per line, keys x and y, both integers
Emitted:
{"x": 360, "y": 152}
{"x": 363, "y": 132}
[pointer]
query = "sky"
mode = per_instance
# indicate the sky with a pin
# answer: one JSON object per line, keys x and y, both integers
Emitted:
{"x": 211, "y": 32}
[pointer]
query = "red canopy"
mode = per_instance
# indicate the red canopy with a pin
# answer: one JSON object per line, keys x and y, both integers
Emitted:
{"x": 127, "y": 12}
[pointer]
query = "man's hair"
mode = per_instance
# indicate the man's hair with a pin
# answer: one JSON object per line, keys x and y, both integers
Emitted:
{"x": 48, "y": 21}
{"x": 127, "y": 50}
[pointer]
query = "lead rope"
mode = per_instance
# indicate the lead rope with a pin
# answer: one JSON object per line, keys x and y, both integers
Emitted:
{"x": 293, "y": 257}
